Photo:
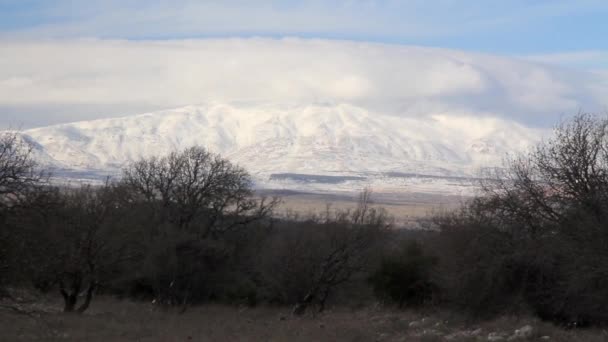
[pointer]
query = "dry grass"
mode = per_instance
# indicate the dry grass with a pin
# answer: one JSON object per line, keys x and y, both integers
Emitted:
{"x": 113, "y": 320}
{"x": 405, "y": 208}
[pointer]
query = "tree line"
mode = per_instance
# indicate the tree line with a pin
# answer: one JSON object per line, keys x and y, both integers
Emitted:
{"x": 181, "y": 229}
{"x": 188, "y": 228}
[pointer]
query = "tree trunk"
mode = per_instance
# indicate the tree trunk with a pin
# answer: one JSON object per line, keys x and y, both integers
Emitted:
{"x": 300, "y": 308}
{"x": 323, "y": 299}
{"x": 88, "y": 298}
{"x": 69, "y": 300}
{"x": 70, "y": 296}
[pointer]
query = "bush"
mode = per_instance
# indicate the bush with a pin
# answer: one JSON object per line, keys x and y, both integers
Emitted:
{"x": 201, "y": 208}
{"x": 481, "y": 269}
{"x": 405, "y": 278}
{"x": 307, "y": 261}
{"x": 537, "y": 236}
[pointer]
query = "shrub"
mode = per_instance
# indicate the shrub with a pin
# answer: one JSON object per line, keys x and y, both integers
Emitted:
{"x": 405, "y": 278}
{"x": 307, "y": 262}
{"x": 537, "y": 235}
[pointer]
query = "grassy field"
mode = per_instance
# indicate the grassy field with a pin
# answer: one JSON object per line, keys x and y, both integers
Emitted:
{"x": 113, "y": 320}
{"x": 406, "y": 208}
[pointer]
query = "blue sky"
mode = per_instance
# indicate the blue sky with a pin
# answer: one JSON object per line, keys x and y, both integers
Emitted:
{"x": 542, "y": 28}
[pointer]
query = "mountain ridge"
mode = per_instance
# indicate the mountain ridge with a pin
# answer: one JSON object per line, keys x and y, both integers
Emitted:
{"x": 271, "y": 139}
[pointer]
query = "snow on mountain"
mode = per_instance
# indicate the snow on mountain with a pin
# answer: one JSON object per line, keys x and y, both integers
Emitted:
{"x": 319, "y": 139}
{"x": 37, "y": 151}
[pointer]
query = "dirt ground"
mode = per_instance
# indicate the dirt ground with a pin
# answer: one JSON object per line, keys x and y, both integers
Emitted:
{"x": 113, "y": 320}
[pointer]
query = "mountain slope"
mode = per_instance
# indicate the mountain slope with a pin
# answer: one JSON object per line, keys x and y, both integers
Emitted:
{"x": 311, "y": 139}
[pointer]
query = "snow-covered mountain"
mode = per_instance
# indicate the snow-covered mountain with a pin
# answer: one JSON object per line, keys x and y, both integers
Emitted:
{"x": 322, "y": 139}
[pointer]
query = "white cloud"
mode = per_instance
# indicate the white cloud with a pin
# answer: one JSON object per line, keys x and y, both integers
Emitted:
{"x": 586, "y": 59}
{"x": 123, "y": 75}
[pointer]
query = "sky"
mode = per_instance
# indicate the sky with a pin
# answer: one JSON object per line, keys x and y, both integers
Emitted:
{"x": 68, "y": 60}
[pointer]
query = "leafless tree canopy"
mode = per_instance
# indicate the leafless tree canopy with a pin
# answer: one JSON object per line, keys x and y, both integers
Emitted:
{"x": 18, "y": 177}
{"x": 567, "y": 172}
{"x": 540, "y": 228}
{"x": 197, "y": 186}
{"x": 198, "y": 203}
{"x": 310, "y": 260}
{"x": 77, "y": 238}
{"x": 18, "y": 170}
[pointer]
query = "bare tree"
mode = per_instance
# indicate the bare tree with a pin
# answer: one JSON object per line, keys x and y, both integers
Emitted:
{"x": 330, "y": 250}
{"x": 568, "y": 171}
{"x": 196, "y": 198}
{"x": 197, "y": 190}
{"x": 18, "y": 174}
{"x": 18, "y": 169}
{"x": 541, "y": 225}
{"x": 76, "y": 240}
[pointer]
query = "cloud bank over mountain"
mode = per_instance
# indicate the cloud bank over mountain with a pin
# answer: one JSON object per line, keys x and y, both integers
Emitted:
{"x": 82, "y": 79}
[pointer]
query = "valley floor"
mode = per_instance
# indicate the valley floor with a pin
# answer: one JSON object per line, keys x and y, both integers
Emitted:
{"x": 112, "y": 320}
{"x": 406, "y": 208}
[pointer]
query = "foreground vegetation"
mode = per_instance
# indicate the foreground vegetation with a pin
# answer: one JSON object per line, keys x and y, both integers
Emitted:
{"x": 186, "y": 230}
